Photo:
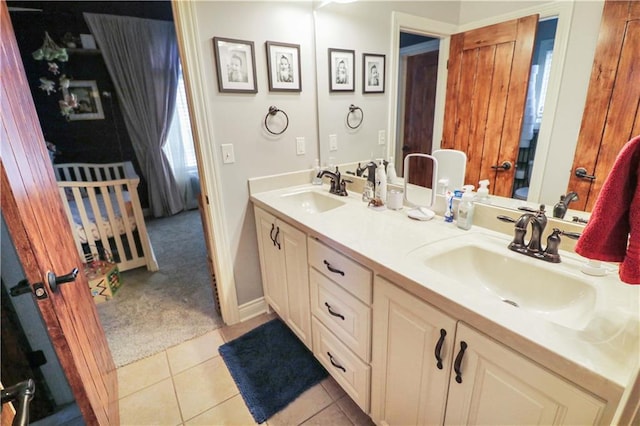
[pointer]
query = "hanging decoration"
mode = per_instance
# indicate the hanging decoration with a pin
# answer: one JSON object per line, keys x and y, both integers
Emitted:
{"x": 50, "y": 51}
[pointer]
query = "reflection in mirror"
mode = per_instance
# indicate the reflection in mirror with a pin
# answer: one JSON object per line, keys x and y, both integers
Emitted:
{"x": 416, "y": 181}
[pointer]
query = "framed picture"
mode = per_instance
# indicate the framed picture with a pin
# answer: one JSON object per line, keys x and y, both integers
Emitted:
{"x": 88, "y": 99}
{"x": 236, "y": 65}
{"x": 283, "y": 62}
{"x": 341, "y": 70}
{"x": 372, "y": 73}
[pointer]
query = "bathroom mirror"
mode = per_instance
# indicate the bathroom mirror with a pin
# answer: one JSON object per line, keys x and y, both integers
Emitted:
{"x": 374, "y": 27}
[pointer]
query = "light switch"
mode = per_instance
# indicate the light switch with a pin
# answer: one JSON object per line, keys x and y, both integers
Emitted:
{"x": 227, "y": 153}
{"x": 381, "y": 137}
{"x": 300, "y": 145}
{"x": 333, "y": 142}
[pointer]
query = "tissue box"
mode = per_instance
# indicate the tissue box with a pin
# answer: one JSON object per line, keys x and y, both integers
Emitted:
{"x": 104, "y": 279}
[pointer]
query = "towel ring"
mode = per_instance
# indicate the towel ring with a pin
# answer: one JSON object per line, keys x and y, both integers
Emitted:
{"x": 273, "y": 111}
{"x": 352, "y": 110}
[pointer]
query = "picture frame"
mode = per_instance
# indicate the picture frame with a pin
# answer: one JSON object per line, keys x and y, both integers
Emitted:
{"x": 283, "y": 63}
{"x": 236, "y": 65}
{"x": 88, "y": 99}
{"x": 341, "y": 70}
{"x": 373, "y": 73}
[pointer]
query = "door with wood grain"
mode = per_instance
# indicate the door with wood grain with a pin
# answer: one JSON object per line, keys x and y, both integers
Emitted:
{"x": 42, "y": 236}
{"x": 612, "y": 110}
{"x": 420, "y": 103}
{"x": 487, "y": 83}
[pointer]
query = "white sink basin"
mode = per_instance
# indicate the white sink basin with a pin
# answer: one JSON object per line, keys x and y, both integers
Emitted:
{"x": 313, "y": 201}
{"x": 542, "y": 288}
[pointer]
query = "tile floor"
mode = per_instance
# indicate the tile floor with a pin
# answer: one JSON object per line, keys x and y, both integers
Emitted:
{"x": 189, "y": 384}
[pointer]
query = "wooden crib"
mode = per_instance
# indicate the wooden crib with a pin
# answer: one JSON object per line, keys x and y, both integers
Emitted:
{"x": 103, "y": 208}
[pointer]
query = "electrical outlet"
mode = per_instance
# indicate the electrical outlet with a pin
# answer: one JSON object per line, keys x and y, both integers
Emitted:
{"x": 300, "y": 145}
{"x": 333, "y": 142}
{"x": 227, "y": 153}
{"x": 381, "y": 137}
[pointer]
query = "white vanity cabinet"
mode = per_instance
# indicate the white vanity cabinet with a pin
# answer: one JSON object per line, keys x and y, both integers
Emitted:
{"x": 487, "y": 384}
{"x": 285, "y": 273}
{"x": 341, "y": 295}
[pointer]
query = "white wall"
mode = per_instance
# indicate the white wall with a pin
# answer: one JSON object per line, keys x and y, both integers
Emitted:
{"x": 365, "y": 27}
{"x": 238, "y": 118}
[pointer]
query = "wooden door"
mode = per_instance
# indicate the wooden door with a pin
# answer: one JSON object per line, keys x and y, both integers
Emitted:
{"x": 420, "y": 102}
{"x": 497, "y": 386}
{"x": 34, "y": 215}
{"x": 487, "y": 83}
{"x": 612, "y": 109}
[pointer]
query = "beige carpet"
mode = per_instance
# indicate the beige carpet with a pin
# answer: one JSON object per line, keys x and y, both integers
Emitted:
{"x": 153, "y": 311}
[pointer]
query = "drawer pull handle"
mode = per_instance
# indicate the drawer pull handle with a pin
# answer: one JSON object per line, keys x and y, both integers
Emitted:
{"x": 335, "y": 364}
{"x": 443, "y": 333}
{"x": 332, "y": 269}
{"x": 335, "y": 314}
{"x": 273, "y": 227}
{"x": 276, "y": 238}
{"x": 457, "y": 364}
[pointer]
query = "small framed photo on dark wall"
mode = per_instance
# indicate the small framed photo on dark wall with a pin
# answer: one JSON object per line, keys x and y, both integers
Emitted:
{"x": 373, "y": 73}
{"x": 283, "y": 63}
{"x": 87, "y": 98}
{"x": 341, "y": 70}
{"x": 236, "y": 65}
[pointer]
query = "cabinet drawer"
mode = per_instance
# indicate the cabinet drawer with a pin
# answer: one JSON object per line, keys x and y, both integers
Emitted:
{"x": 350, "y": 275}
{"x": 349, "y": 371}
{"x": 347, "y": 317}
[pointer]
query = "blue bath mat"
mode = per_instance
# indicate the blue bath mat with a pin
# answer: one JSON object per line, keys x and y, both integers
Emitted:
{"x": 271, "y": 368}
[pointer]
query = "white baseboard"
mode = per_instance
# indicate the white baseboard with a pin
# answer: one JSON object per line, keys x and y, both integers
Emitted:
{"x": 252, "y": 309}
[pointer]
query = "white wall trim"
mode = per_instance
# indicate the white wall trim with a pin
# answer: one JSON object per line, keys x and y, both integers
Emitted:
{"x": 187, "y": 33}
{"x": 253, "y": 308}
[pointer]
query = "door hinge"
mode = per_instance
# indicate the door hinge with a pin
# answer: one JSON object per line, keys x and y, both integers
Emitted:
{"x": 447, "y": 64}
{"x": 23, "y": 287}
{"x": 206, "y": 197}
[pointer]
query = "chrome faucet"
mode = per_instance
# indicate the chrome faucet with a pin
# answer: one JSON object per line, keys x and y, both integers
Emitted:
{"x": 338, "y": 185}
{"x": 533, "y": 248}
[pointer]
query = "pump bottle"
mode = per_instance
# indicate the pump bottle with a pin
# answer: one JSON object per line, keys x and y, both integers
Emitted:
{"x": 465, "y": 210}
{"x": 381, "y": 183}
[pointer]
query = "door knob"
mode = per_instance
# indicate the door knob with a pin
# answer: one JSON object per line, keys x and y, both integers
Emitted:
{"x": 55, "y": 281}
{"x": 581, "y": 172}
{"x": 506, "y": 165}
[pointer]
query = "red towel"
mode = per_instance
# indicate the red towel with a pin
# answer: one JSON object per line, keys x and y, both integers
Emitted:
{"x": 613, "y": 231}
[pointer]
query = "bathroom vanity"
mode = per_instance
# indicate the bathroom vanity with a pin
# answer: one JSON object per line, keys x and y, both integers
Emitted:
{"x": 410, "y": 317}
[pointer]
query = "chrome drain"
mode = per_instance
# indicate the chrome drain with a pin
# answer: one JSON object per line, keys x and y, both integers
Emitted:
{"x": 511, "y": 302}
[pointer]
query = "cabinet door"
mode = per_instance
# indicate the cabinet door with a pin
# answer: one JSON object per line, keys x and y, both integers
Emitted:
{"x": 272, "y": 262}
{"x": 408, "y": 387}
{"x": 294, "y": 243}
{"x": 492, "y": 384}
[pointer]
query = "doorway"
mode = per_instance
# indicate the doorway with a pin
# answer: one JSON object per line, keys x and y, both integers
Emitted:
{"x": 417, "y": 82}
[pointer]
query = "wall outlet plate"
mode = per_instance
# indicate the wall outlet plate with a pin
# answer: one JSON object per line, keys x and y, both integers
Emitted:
{"x": 300, "y": 145}
{"x": 228, "y": 156}
{"x": 382, "y": 135}
{"x": 333, "y": 142}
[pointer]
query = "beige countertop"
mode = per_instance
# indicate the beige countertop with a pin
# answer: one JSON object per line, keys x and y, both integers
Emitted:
{"x": 600, "y": 354}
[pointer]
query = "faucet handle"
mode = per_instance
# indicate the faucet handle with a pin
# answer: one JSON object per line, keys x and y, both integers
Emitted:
{"x": 506, "y": 218}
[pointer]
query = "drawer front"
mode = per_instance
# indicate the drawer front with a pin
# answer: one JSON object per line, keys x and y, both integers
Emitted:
{"x": 349, "y": 371}
{"x": 349, "y": 274}
{"x": 347, "y": 317}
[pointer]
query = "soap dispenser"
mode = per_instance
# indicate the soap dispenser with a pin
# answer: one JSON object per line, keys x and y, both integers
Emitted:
{"x": 483, "y": 191}
{"x": 317, "y": 180}
{"x": 465, "y": 208}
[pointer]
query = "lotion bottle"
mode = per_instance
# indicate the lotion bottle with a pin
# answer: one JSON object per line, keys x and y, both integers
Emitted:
{"x": 392, "y": 176}
{"x": 483, "y": 191}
